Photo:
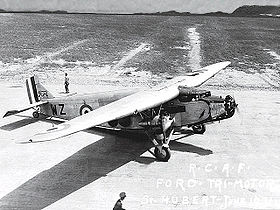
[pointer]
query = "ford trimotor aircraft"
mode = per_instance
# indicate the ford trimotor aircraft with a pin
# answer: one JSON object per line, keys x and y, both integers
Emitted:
{"x": 158, "y": 111}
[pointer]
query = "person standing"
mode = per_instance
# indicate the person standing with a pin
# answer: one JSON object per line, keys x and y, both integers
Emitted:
{"x": 66, "y": 83}
{"x": 118, "y": 205}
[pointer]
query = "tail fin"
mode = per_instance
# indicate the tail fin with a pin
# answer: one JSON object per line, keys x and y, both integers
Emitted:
{"x": 36, "y": 91}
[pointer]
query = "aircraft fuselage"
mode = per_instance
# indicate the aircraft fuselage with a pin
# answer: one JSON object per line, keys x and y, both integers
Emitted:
{"x": 72, "y": 106}
{"x": 188, "y": 109}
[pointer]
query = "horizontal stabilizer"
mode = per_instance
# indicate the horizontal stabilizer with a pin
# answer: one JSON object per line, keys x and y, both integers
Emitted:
{"x": 13, "y": 112}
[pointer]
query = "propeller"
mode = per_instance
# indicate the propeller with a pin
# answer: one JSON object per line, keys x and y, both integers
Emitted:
{"x": 231, "y": 106}
{"x": 236, "y": 107}
{"x": 166, "y": 122}
{"x": 237, "y": 110}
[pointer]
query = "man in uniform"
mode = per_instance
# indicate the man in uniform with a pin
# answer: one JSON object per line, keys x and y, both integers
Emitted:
{"x": 66, "y": 83}
{"x": 118, "y": 205}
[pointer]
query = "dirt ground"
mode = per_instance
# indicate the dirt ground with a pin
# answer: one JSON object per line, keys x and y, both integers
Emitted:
{"x": 234, "y": 165}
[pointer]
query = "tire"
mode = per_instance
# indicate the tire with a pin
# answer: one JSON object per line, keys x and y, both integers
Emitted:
{"x": 35, "y": 114}
{"x": 199, "y": 129}
{"x": 164, "y": 155}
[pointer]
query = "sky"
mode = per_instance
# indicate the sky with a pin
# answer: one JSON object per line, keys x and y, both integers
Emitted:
{"x": 132, "y": 6}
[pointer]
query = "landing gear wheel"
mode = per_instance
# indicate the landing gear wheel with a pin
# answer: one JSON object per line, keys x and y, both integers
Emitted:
{"x": 199, "y": 129}
{"x": 35, "y": 114}
{"x": 164, "y": 155}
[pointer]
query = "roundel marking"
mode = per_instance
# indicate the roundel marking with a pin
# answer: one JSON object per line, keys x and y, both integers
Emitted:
{"x": 84, "y": 109}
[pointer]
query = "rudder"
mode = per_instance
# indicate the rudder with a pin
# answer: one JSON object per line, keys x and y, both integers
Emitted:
{"x": 36, "y": 91}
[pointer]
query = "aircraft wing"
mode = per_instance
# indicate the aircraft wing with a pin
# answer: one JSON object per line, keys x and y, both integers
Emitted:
{"x": 126, "y": 106}
{"x": 196, "y": 78}
{"x": 12, "y": 112}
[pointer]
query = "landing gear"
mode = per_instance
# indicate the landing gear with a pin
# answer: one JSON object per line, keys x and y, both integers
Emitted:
{"x": 199, "y": 129}
{"x": 36, "y": 114}
{"x": 162, "y": 153}
{"x": 160, "y": 133}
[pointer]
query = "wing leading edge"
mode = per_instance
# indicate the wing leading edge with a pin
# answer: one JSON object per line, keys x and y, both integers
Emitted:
{"x": 126, "y": 106}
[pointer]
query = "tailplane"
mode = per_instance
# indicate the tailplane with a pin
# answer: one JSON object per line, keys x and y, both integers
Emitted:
{"x": 36, "y": 91}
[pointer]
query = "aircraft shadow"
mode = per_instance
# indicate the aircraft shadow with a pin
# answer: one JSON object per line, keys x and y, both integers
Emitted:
{"x": 18, "y": 124}
{"x": 27, "y": 121}
{"x": 84, "y": 167}
{"x": 183, "y": 147}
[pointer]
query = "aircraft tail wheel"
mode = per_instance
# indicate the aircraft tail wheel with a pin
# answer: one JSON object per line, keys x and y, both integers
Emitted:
{"x": 163, "y": 155}
{"x": 35, "y": 114}
{"x": 199, "y": 129}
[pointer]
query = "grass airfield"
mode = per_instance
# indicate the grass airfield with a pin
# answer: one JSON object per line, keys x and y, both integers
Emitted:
{"x": 234, "y": 165}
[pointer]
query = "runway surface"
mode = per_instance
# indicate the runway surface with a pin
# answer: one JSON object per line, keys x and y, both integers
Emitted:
{"x": 234, "y": 165}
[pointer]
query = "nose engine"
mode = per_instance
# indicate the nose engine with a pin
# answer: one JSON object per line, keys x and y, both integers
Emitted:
{"x": 230, "y": 106}
{"x": 196, "y": 107}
